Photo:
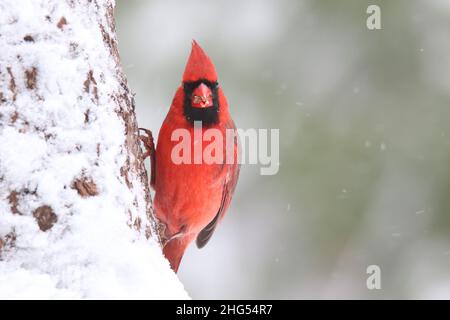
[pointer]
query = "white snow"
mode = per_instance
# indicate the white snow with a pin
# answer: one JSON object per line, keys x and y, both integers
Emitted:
{"x": 90, "y": 252}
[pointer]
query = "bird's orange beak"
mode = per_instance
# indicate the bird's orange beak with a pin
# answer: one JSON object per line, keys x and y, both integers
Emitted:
{"x": 202, "y": 97}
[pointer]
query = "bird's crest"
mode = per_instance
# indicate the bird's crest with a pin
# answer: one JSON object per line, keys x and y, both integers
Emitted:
{"x": 199, "y": 66}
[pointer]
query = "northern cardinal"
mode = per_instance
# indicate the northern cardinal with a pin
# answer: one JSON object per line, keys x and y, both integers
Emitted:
{"x": 190, "y": 198}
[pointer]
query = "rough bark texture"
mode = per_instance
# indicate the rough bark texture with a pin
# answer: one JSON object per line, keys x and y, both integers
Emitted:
{"x": 13, "y": 70}
{"x": 134, "y": 169}
{"x": 71, "y": 171}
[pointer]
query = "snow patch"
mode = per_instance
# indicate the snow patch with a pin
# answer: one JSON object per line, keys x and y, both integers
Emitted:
{"x": 66, "y": 127}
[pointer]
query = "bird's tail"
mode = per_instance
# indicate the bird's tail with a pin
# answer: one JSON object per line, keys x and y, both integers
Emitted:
{"x": 174, "y": 251}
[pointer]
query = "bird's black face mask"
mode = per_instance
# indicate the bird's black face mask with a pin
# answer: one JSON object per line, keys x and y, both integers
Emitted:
{"x": 201, "y": 102}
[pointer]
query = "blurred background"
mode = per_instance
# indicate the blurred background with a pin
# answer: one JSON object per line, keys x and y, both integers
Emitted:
{"x": 364, "y": 119}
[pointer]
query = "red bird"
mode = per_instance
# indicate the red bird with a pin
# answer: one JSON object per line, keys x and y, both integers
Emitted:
{"x": 192, "y": 198}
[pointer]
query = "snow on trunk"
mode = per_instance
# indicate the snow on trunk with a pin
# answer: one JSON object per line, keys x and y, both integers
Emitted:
{"x": 75, "y": 210}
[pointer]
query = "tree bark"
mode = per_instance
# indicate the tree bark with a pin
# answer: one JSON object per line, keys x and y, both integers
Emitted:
{"x": 74, "y": 194}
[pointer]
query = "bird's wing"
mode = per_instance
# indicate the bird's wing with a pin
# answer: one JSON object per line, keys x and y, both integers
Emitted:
{"x": 227, "y": 193}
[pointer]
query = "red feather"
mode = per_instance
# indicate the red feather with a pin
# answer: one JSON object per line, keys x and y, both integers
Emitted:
{"x": 199, "y": 66}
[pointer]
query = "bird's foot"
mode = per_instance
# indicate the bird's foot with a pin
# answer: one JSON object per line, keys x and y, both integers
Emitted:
{"x": 149, "y": 146}
{"x": 162, "y": 227}
{"x": 148, "y": 142}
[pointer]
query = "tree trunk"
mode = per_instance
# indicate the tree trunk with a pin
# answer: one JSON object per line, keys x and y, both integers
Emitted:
{"x": 75, "y": 208}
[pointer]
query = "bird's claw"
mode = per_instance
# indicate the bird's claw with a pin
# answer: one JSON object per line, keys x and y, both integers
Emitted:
{"x": 149, "y": 146}
{"x": 148, "y": 142}
{"x": 162, "y": 227}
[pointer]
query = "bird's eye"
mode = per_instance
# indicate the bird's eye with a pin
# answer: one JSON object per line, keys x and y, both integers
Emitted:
{"x": 196, "y": 99}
